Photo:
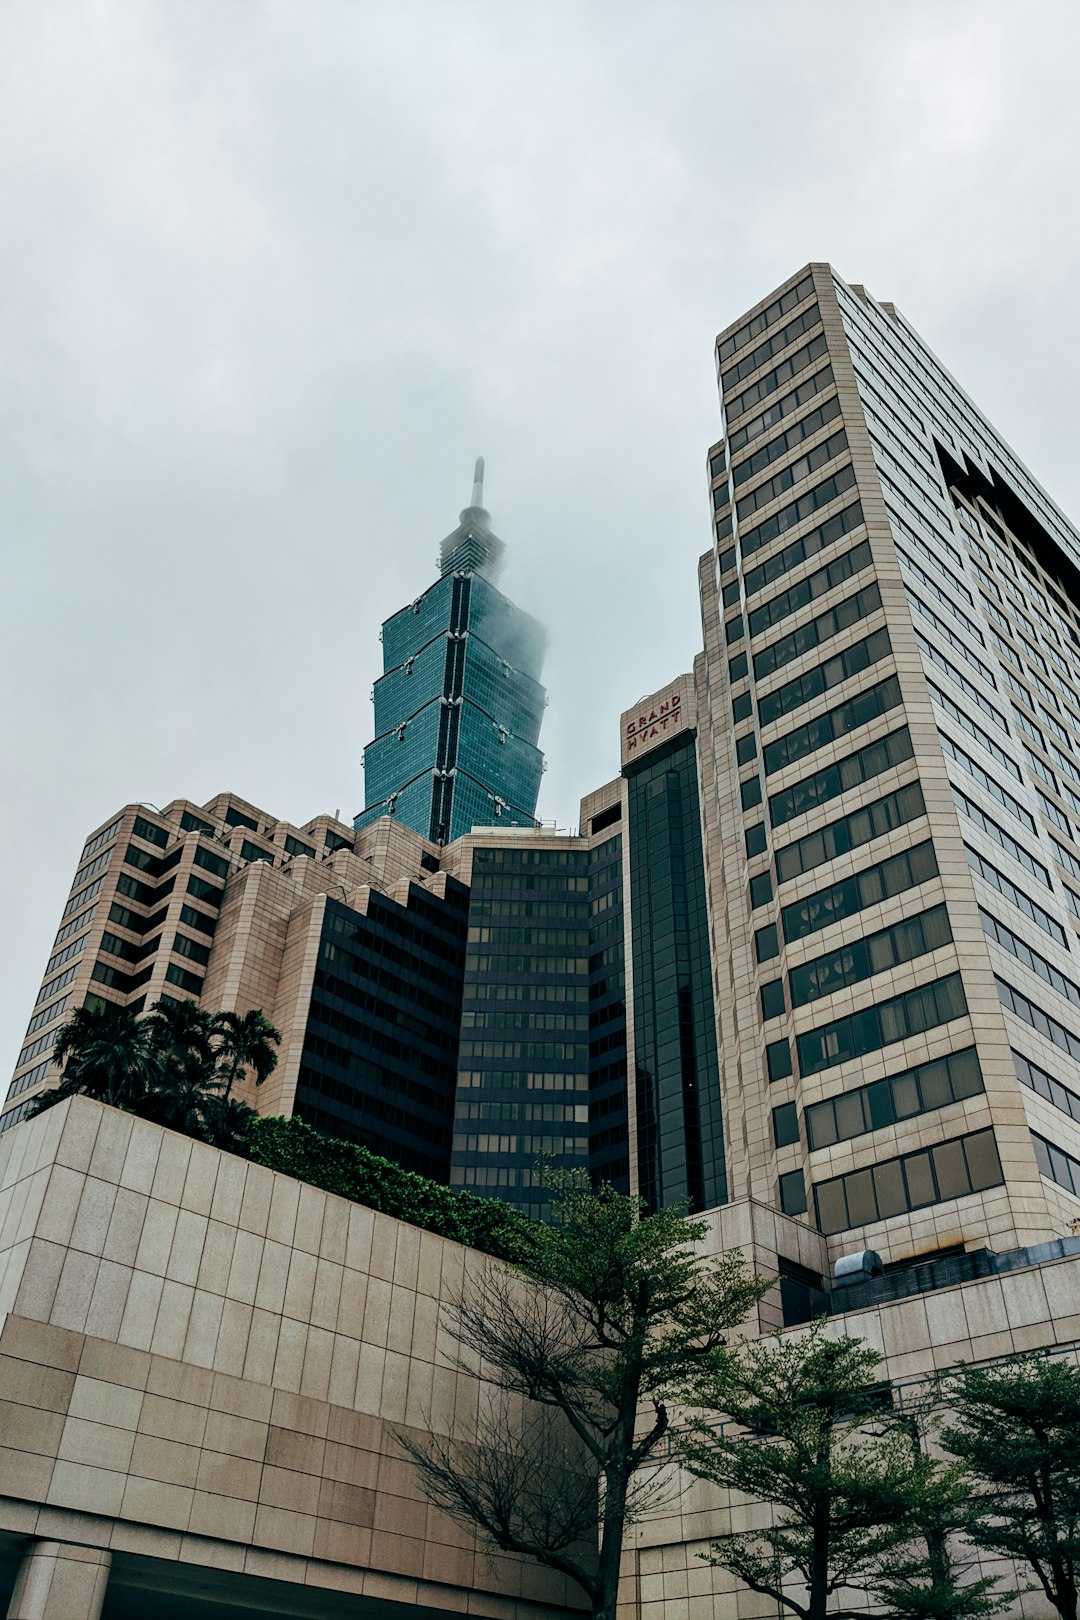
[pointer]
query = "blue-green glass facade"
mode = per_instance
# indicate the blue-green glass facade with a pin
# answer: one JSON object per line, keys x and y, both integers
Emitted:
{"x": 459, "y": 704}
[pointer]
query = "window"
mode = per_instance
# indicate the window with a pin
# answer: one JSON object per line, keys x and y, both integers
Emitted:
{"x": 781, "y": 409}
{"x": 969, "y": 689}
{"x": 183, "y": 946}
{"x": 750, "y": 792}
{"x": 734, "y": 630}
{"x": 766, "y": 943}
{"x": 746, "y": 748}
{"x": 894, "y": 876}
{"x": 742, "y": 708}
{"x": 237, "y": 818}
{"x": 809, "y": 317}
{"x": 816, "y": 631}
{"x": 197, "y": 919}
{"x": 183, "y": 979}
{"x": 912, "y": 1013}
{"x": 756, "y": 840}
{"x": 801, "y": 550}
{"x": 864, "y": 958}
{"x": 963, "y": 719}
{"x": 900, "y": 1096}
{"x": 737, "y": 668}
{"x": 150, "y": 832}
{"x": 212, "y": 863}
{"x": 141, "y": 859}
{"x": 193, "y": 823}
{"x": 296, "y": 846}
{"x": 1015, "y": 1002}
{"x": 850, "y": 832}
{"x": 934, "y": 1175}
{"x": 862, "y": 766}
{"x": 778, "y": 1060}
{"x": 761, "y": 890}
{"x": 826, "y": 728}
{"x": 751, "y": 329}
{"x": 254, "y": 852}
{"x": 772, "y": 999}
{"x": 785, "y": 1124}
{"x": 997, "y": 931}
{"x": 205, "y": 891}
{"x": 953, "y": 750}
{"x": 793, "y": 1193}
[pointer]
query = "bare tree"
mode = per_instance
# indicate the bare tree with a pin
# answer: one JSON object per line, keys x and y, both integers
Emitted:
{"x": 611, "y": 1315}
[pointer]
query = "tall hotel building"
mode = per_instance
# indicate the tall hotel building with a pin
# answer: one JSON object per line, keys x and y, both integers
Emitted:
{"x": 815, "y": 950}
{"x": 890, "y": 737}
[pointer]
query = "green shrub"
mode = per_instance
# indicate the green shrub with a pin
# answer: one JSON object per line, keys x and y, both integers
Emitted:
{"x": 354, "y": 1172}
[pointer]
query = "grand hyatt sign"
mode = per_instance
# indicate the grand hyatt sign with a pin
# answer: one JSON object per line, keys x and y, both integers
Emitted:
{"x": 659, "y": 717}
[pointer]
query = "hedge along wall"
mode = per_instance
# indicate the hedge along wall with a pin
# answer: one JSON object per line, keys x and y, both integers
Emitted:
{"x": 351, "y": 1171}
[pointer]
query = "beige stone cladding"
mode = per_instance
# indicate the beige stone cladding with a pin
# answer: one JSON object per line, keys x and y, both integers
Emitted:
{"x": 1026, "y": 1208}
{"x": 205, "y": 1364}
{"x": 1034, "y": 1308}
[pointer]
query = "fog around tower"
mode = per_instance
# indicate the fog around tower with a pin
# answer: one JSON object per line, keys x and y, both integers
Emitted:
{"x": 277, "y": 273}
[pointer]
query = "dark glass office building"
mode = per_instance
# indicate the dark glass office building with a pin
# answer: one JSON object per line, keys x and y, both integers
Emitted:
{"x": 379, "y": 1062}
{"x": 459, "y": 704}
{"x": 677, "y": 1080}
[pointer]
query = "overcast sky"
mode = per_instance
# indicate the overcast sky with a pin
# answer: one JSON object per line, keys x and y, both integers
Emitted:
{"x": 274, "y": 274}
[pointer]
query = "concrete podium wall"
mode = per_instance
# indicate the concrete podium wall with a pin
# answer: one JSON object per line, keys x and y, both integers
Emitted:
{"x": 204, "y": 1362}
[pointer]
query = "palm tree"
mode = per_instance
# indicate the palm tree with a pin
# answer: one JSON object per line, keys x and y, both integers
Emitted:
{"x": 189, "y": 1095}
{"x": 245, "y": 1043}
{"x": 107, "y": 1052}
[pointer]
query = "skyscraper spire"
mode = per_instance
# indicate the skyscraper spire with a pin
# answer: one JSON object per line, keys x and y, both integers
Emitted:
{"x": 478, "y": 484}
{"x": 473, "y": 547}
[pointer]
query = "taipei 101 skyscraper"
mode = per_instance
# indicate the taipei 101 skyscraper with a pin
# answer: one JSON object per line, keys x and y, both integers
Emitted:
{"x": 459, "y": 703}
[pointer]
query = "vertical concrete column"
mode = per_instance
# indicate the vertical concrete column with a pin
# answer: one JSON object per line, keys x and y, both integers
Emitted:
{"x": 59, "y": 1581}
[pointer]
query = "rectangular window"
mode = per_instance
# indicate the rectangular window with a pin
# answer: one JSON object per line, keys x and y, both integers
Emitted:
{"x": 781, "y": 409}
{"x": 750, "y": 792}
{"x": 212, "y": 863}
{"x": 785, "y": 1124}
{"x": 237, "y": 818}
{"x": 901, "y": 1096}
{"x": 787, "y": 478}
{"x": 997, "y": 931}
{"x": 757, "y": 841}
{"x": 197, "y": 919}
{"x": 1047, "y": 1086}
{"x": 793, "y": 1193}
{"x": 202, "y": 890}
{"x": 183, "y": 946}
{"x": 778, "y": 1060}
{"x": 254, "y": 852}
{"x": 912, "y": 1013}
{"x": 861, "y": 766}
{"x": 184, "y": 980}
{"x": 761, "y": 890}
{"x": 865, "y": 958}
{"x": 913, "y": 1181}
{"x": 758, "y": 323}
{"x": 772, "y": 380}
{"x": 809, "y": 317}
{"x": 193, "y": 823}
{"x": 844, "y": 899}
{"x": 766, "y": 943}
{"x": 772, "y": 999}
{"x": 778, "y": 447}
{"x": 1056, "y": 1164}
{"x": 141, "y": 859}
{"x": 149, "y": 831}
{"x": 746, "y": 748}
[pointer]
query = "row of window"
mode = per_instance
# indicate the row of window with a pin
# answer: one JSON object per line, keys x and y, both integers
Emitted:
{"x": 781, "y": 409}
{"x": 833, "y": 780}
{"x": 777, "y": 447}
{"x": 550, "y": 1051}
{"x": 854, "y": 894}
{"x": 997, "y": 931}
{"x": 826, "y": 728}
{"x": 764, "y": 318}
{"x": 969, "y": 689}
{"x": 573, "y": 937}
{"x": 1056, "y": 1165}
{"x": 928, "y": 585}
{"x": 822, "y": 678}
{"x": 1046, "y": 1086}
{"x": 966, "y": 1164}
{"x": 920, "y": 1090}
{"x": 948, "y": 635}
{"x": 966, "y": 723}
{"x": 816, "y": 631}
{"x": 524, "y": 1020}
{"x": 530, "y": 1145}
{"x": 990, "y": 784}
{"x": 47, "y": 1015}
{"x": 865, "y": 958}
{"x": 1015, "y": 1001}
{"x": 1016, "y": 897}
{"x": 76, "y": 946}
{"x": 32, "y": 1077}
{"x": 803, "y": 322}
{"x": 77, "y": 924}
{"x": 850, "y": 832}
{"x": 787, "y": 478}
{"x": 797, "y": 511}
{"x": 518, "y": 1113}
{"x": 105, "y": 836}
{"x": 814, "y": 585}
{"x": 550, "y": 910}
{"x": 791, "y": 366}
{"x": 91, "y": 869}
{"x": 515, "y": 1080}
{"x": 911, "y": 1013}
